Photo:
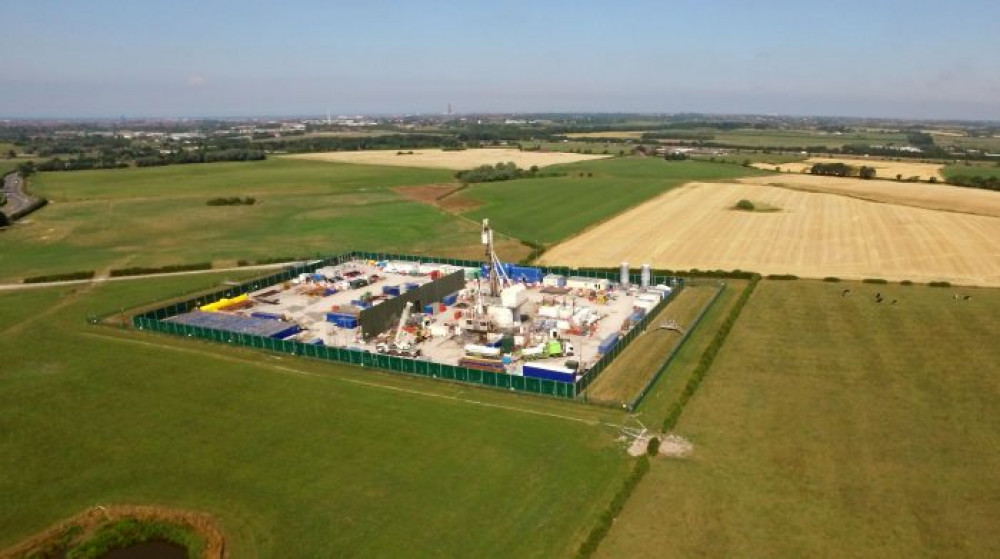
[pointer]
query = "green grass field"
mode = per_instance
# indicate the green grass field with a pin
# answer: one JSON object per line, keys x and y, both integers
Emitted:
{"x": 548, "y": 210}
{"x": 296, "y": 458}
{"x": 982, "y": 170}
{"x": 157, "y": 216}
{"x": 833, "y": 426}
{"x": 622, "y": 382}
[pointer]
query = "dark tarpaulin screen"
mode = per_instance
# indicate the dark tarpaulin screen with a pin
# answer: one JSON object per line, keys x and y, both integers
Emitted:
{"x": 382, "y": 317}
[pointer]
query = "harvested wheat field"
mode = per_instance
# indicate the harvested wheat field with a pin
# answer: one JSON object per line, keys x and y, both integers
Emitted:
{"x": 442, "y": 159}
{"x": 814, "y": 235}
{"x": 920, "y": 195}
{"x": 884, "y": 169}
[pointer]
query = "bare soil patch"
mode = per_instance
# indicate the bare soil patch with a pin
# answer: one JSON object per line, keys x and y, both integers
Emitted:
{"x": 673, "y": 446}
{"x": 457, "y": 160}
{"x": 448, "y": 197}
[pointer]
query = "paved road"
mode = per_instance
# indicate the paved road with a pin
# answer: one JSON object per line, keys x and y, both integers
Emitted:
{"x": 17, "y": 200}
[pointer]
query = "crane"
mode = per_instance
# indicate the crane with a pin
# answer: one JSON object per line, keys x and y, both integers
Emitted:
{"x": 398, "y": 339}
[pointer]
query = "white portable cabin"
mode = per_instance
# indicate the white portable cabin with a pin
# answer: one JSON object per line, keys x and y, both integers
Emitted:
{"x": 579, "y": 282}
{"x": 554, "y": 280}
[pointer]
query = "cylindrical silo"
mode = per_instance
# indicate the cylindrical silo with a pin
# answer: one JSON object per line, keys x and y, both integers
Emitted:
{"x": 645, "y": 276}
{"x": 624, "y": 276}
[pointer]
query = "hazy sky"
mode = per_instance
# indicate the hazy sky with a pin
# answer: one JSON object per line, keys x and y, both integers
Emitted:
{"x": 212, "y": 57}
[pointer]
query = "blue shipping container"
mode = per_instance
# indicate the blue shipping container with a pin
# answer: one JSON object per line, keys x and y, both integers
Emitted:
{"x": 450, "y": 299}
{"x": 429, "y": 309}
{"x": 608, "y": 343}
{"x": 361, "y": 304}
{"x": 559, "y": 375}
{"x": 392, "y": 290}
{"x": 287, "y": 332}
{"x": 342, "y": 320}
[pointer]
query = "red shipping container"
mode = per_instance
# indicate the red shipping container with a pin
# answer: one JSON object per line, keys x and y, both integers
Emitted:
{"x": 444, "y": 308}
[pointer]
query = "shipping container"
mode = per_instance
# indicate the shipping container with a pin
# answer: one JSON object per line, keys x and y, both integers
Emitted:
{"x": 548, "y": 372}
{"x": 450, "y": 299}
{"x": 392, "y": 290}
{"x": 608, "y": 343}
{"x": 342, "y": 320}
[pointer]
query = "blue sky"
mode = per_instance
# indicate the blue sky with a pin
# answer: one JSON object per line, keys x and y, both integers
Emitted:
{"x": 212, "y": 57}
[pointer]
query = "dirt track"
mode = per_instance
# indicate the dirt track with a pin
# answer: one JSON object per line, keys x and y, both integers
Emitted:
{"x": 457, "y": 160}
{"x": 815, "y": 235}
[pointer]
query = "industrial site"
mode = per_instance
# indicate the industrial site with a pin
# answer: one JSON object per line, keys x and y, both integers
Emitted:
{"x": 497, "y": 317}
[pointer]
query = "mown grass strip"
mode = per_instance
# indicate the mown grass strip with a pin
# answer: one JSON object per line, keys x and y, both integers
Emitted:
{"x": 705, "y": 363}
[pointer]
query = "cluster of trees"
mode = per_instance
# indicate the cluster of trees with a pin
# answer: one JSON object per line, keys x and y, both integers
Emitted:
{"x": 842, "y": 170}
{"x": 390, "y": 141}
{"x": 183, "y": 156}
{"x": 976, "y": 181}
{"x": 232, "y": 201}
{"x": 500, "y": 172}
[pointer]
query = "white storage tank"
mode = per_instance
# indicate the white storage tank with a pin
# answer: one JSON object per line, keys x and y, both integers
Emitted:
{"x": 513, "y": 296}
{"x": 502, "y": 316}
{"x": 645, "y": 276}
{"x": 624, "y": 274}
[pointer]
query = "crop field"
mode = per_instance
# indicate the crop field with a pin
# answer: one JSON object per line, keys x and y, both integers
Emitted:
{"x": 790, "y": 138}
{"x": 814, "y": 235}
{"x": 547, "y": 210}
{"x": 157, "y": 216}
{"x": 441, "y": 159}
{"x": 835, "y": 426}
{"x": 982, "y": 170}
{"x": 296, "y": 458}
{"x": 630, "y": 372}
{"x": 919, "y": 195}
{"x": 884, "y": 169}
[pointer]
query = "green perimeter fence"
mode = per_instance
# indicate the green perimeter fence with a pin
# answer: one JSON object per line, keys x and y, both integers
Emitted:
{"x": 155, "y": 320}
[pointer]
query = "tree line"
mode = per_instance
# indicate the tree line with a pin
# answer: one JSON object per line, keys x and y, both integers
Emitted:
{"x": 842, "y": 170}
{"x": 501, "y": 172}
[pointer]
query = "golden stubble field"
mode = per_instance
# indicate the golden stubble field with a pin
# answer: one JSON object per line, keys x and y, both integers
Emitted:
{"x": 920, "y": 195}
{"x": 884, "y": 169}
{"x": 814, "y": 235}
{"x": 441, "y": 159}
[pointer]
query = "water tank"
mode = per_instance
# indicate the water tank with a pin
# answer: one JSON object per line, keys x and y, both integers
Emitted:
{"x": 624, "y": 277}
{"x": 645, "y": 276}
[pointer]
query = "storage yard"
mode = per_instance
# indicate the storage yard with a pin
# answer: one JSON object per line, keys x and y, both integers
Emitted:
{"x": 542, "y": 326}
{"x": 496, "y": 317}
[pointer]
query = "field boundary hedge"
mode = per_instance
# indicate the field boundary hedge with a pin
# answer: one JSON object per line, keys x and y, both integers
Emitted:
{"x": 70, "y": 276}
{"x": 708, "y": 357}
{"x": 143, "y": 271}
{"x": 607, "y": 518}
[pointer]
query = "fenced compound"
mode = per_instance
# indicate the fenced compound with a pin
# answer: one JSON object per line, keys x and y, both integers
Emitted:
{"x": 155, "y": 320}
